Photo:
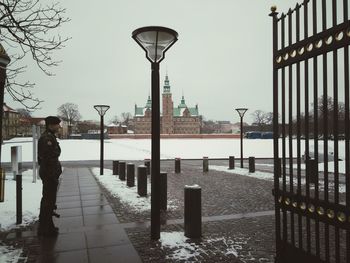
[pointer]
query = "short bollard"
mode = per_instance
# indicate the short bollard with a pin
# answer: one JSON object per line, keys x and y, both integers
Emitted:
{"x": 2, "y": 185}
{"x": 205, "y": 164}
{"x": 121, "y": 170}
{"x": 252, "y": 164}
{"x": 163, "y": 191}
{"x": 142, "y": 180}
{"x": 193, "y": 211}
{"x": 148, "y": 166}
{"x": 177, "y": 165}
{"x": 231, "y": 162}
{"x": 18, "y": 199}
{"x": 115, "y": 167}
{"x": 130, "y": 175}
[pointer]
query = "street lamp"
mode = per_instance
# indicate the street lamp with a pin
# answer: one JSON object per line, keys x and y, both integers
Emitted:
{"x": 101, "y": 109}
{"x": 4, "y": 61}
{"x": 241, "y": 112}
{"x": 155, "y": 41}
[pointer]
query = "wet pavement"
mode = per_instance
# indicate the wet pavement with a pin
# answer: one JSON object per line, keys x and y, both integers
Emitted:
{"x": 89, "y": 231}
{"x": 96, "y": 226}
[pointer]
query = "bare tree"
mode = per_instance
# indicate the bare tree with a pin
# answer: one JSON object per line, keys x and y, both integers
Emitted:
{"x": 262, "y": 119}
{"x": 29, "y": 28}
{"x": 115, "y": 120}
{"x": 24, "y": 113}
{"x": 69, "y": 112}
{"x": 125, "y": 118}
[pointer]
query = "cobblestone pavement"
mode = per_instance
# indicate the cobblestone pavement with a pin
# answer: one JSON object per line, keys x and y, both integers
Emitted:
{"x": 250, "y": 239}
{"x": 223, "y": 195}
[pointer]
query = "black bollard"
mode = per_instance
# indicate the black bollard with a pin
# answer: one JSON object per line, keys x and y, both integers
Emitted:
{"x": 130, "y": 175}
{"x": 115, "y": 167}
{"x": 177, "y": 165}
{"x": 231, "y": 162}
{"x": 163, "y": 191}
{"x": 252, "y": 164}
{"x": 2, "y": 185}
{"x": 121, "y": 170}
{"x": 205, "y": 164}
{"x": 148, "y": 166}
{"x": 18, "y": 199}
{"x": 142, "y": 180}
{"x": 193, "y": 211}
{"x": 312, "y": 171}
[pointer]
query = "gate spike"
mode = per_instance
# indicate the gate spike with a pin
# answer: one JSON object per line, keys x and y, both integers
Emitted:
{"x": 289, "y": 11}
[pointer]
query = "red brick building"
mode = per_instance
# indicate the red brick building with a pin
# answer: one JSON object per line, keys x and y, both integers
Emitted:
{"x": 179, "y": 120}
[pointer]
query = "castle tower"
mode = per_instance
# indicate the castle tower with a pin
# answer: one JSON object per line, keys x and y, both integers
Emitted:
{"x": 167, "y": 118}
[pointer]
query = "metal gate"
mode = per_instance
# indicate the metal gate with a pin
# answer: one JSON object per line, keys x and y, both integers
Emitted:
{"x": 311, "y": 132}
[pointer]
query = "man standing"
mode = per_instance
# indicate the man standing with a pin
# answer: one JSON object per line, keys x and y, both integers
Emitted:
{"x": 49, "y": 172}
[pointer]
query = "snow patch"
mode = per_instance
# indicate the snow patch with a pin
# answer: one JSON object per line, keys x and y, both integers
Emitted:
{"x": 127, "y": 195}
{"x": 31, "y": 196}
{"x": 9, "y": 254}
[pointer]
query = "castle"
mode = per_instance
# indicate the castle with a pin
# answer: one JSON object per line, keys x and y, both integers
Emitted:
{"x": 178, "y": 120}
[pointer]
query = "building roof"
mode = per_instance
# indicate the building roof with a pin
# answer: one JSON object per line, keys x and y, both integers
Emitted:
{"x": 177, "y": 112}
{"x": 8, "y": 108}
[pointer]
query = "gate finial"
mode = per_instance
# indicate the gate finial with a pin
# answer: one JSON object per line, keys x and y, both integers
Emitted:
{"x": 273, "y": 8}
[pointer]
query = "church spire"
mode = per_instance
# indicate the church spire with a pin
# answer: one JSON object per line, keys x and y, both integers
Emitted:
{"x": 166, "y": 87}
{"x": 149, "y": 102}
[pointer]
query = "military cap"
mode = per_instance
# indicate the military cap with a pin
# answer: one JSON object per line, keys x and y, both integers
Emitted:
{"x": 52, "y": 120}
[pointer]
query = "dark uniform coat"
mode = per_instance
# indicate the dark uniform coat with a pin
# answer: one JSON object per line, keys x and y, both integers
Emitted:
{"x": 49, "y": 172}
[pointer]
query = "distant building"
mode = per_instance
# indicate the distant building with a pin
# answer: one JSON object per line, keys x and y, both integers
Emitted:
{"x": 117, "y": 129}
{"x": 179, "y": 120}
{"x": 10, "y": 122}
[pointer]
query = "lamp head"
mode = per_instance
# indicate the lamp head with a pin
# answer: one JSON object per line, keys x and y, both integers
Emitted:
{"x": 155, "y": 40}
{"x": 4, "y": 58}
{"x": 241, "y": 111}
{"x": 101, "y": 109}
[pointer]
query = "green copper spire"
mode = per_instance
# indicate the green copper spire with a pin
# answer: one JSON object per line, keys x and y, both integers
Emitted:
{"x": 166, "y": 87}
{"x": 149, "y": 102}
{"x": 183, "y": 103}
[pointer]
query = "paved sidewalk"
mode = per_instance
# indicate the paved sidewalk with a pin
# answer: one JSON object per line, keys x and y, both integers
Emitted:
{"x": 89, "y": 230}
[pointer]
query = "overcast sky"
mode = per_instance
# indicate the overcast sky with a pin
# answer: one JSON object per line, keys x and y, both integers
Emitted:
{"x": 222, "y": 59}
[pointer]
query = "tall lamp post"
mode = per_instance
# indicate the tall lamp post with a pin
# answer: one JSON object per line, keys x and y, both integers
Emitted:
{"x": 101, "y": 109}
{"x": 4, "y": 61}
{"x": 155, "y": 41}
{"x": 241, "y": 112}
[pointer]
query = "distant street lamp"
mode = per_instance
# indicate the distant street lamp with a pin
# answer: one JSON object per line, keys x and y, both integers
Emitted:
{"x": 241, "y": 112}
{"x": 4, "y": 61}
{"x": 155, "y": 41}
{"x": 101, "y": 109}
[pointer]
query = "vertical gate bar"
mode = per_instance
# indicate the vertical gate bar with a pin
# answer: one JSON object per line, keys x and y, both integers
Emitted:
{"x": 306, "y": 74}
{"x": 290, "y": 123}
{"x": 283, "y": 102}
{"x": 300, "y": 224}
{"x": 276, "y": 134}
{"x": 315, "y": 83}
{"x": 325, "y": 128}
{"x": 347, "y": 129}
{"x": 335, "y": 132}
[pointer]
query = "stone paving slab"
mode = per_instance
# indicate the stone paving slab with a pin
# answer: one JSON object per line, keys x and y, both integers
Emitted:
{"x": 89, "y": 230}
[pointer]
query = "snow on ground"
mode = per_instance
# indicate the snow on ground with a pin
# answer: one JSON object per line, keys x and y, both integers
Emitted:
{"x": 127, "y": 195}
{"x": 31, "y": 195}
{"x": 182, "y": 249}
{"x": 9, "y": 254}
{"x": 269, "y": 177}
{"x": 139, "y": 149}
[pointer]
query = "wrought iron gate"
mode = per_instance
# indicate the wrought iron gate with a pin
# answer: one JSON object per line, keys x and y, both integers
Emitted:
{"x": 311, "y": 132}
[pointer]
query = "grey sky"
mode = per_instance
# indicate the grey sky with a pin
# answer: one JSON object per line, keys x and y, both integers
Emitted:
{"x": 221, "y": 61}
